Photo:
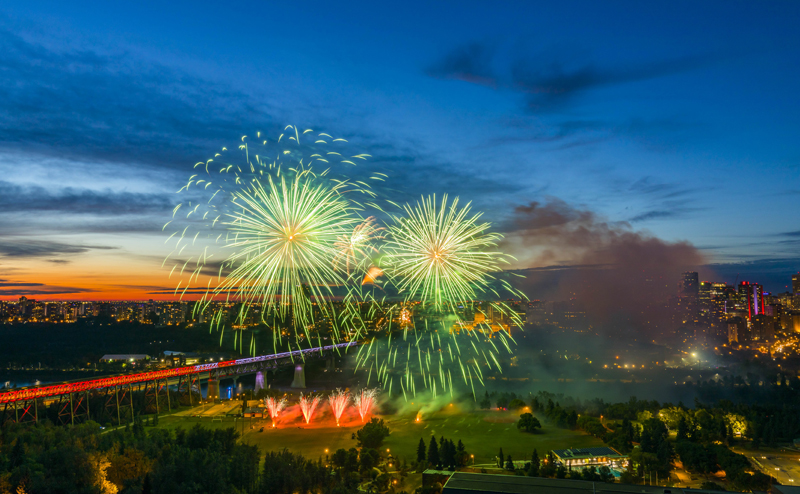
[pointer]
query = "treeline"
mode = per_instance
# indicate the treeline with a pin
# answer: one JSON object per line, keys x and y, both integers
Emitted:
{"x": 444, "y": 455}
{"x": 46, "y": 459}
{"x": 702, "y": 433}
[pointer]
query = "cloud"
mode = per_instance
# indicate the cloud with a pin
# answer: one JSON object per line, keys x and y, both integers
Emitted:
{"x": 470, "y": 63}
{"x": 43, "y": 248}
{"x": 551, "y": 80}
{"x": 17, "y": 198}
{"x": 658, "y": 214}
{"x": 114, "y": 106}
{"x": 47, "y": 290}
{"x": 551, "y": 84}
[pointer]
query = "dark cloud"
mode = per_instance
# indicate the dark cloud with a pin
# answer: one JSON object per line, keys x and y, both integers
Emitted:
{"x": 660, "y": 214}
{"x": 16, "y": 198}
{"x": 774, "y": 274}
{"x": 42, "y": 248}
{"x": 47, "y": 290}
{"x": 551, "y": 80}
{"x": 114, "y": 106}
{"x": 791, "y": 234}
{"x": 470, "y": 63}
{"x": 12, "y": 283}
{"x": 551, "y": 84}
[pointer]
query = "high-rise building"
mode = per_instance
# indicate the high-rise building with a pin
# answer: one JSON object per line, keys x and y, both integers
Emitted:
{"x": 751, "y": 296}
{"x": 796, "y": 284}
{"x": 690, "y": 284}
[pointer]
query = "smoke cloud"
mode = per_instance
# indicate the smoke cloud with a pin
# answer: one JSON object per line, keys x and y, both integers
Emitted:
{"x": 616, "y": 273}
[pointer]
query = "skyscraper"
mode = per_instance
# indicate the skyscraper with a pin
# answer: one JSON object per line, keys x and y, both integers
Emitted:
{"x": 690, "y": 285}
{"x": 796, "y": 284}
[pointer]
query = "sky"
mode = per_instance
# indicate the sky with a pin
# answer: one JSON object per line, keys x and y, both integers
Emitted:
{"x": 668, "y": 123}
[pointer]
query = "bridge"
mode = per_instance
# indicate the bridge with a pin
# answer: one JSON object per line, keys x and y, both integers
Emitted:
{"x": 22, "y": 405}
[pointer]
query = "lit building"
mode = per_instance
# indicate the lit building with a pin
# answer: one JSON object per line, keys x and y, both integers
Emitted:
{"x": 585, "y": 457}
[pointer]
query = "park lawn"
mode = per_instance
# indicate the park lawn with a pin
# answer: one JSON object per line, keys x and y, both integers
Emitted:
{"x": 483, "y": 432}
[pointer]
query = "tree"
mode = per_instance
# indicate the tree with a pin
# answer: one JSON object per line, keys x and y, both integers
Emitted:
{"x": 509, "y": 463}
{"x": 605, "y": 474}
{"x": 516, "y": 404}
{"x": 528, "y": 423}
{"x": 372, "y": 434}
{"x": 368, "y": 459}
{"x": 461, "y": 454}
{"x": 533, "y": 470}
{"x": 486, "y": 402}
{"x": 433, "y": 454}
{"x": 421, "y": 451}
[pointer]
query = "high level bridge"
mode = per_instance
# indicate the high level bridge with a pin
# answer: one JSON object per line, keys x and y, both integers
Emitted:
{"x": 22, "y": 405}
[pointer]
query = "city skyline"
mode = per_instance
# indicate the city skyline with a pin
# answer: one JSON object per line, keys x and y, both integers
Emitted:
{"x": 642, "y": 127}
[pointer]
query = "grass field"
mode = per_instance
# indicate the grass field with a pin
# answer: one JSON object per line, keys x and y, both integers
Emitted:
{"x": 483, "y": 432}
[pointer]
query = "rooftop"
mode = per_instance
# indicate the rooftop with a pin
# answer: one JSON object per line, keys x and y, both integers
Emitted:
{"x": 585, "y": 452}
{"x": 480, "y": 483}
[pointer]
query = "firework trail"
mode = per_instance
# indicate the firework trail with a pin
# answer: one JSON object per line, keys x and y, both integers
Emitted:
{"x": 275, "y": 406}
{"x": 338, "y": 401}
{"x": 364, "y": 401}
{"x": 308, "y": 404}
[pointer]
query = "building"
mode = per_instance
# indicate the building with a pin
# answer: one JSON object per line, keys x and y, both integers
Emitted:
{"x": 482, "y": 483}
{"x": 690, "y": 284}
{"x": 124, "y": 357}
{"x": 585, "y": 457}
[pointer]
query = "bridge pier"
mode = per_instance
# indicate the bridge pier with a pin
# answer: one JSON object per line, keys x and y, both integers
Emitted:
{"x": 299, "y": 380}
{"x": 212, "y": 393}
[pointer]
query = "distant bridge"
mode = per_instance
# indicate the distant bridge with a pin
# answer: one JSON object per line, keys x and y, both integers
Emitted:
{"x": 22, "y": 405}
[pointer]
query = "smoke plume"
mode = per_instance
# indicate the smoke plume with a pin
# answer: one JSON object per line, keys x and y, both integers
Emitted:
{"x": 616, "y": 273}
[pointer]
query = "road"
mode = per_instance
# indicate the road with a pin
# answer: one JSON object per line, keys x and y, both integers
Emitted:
{"x": 783, "y": 464}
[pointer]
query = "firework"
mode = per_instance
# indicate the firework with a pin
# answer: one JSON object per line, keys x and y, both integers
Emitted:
{"x": 364, "y": 401}
{"x": 338, "y": 401}
{"x": 440, "y": 254}
{"x": 356, "y": 246}
{"x": 308, "y": 404}
{"x": 284, "y": 237}
{"x": 275, "y": 406}
{"x": 266, "y": 227}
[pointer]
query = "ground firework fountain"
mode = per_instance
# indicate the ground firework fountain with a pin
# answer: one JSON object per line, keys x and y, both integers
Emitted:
{"x": 364, "y": 401}
{"x": 308, "y": 404}
{"x": 338, "y": 401}
{"x": 275, "y": 405}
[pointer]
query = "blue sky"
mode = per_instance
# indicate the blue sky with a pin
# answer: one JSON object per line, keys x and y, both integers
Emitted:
{"x": 674, "y": 120}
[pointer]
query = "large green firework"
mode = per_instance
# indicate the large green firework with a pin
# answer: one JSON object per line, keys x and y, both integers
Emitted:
{"x": 282, "y": 237}
{"x": 440, "y": 254}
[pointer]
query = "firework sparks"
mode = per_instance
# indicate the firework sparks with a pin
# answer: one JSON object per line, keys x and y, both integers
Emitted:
{"x": 441, "y": 255}
{"x": 444, "y": 256}
{"x": 275, "y": 406}
{"x": 308, "y": 404}
{"x": 338, "y": 401}
{"x": 355, "y": 247}
{"x": 281, "y": 220}
{"x": 364, "y": 401}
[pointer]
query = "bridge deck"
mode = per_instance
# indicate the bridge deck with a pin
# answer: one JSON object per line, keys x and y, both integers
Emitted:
{"x": 35, "y": 392}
